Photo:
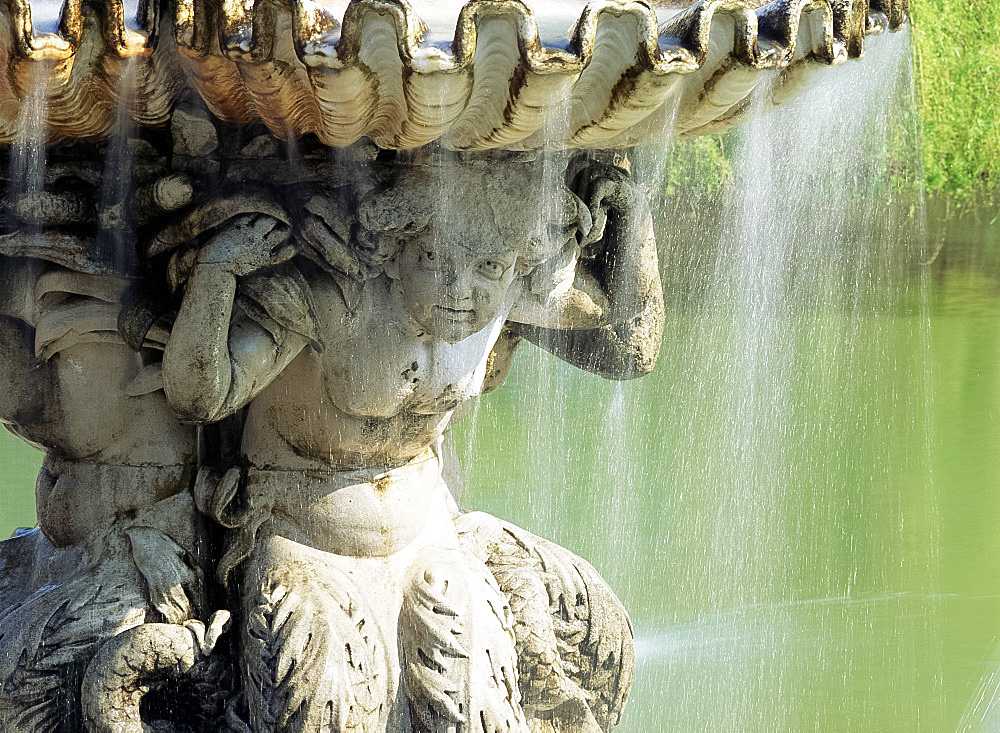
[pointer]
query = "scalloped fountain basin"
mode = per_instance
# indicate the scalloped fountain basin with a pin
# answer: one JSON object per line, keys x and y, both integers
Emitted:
{"x": 487, "y": 74}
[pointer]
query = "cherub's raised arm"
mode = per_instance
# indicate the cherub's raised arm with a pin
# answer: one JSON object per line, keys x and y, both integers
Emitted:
{"x": 216, "y": 360}
{"x": 610, "y": 320}
{"x": 617, "y": 276}
{"x": 623, "y": 351}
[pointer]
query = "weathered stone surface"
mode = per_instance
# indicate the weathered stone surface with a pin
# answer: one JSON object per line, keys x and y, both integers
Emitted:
{"x": 194, "y": 134}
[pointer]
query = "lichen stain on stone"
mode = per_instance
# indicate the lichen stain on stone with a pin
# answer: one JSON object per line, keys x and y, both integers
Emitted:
{"x": 381, "y": 484}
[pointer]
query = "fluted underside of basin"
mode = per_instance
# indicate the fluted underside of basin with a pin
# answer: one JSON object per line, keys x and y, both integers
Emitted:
{"x": 618, "y": 73}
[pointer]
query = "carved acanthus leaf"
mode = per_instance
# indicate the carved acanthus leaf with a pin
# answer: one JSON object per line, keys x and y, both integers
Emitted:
{"x": 574, "y": 638}
{"x": 593, "y": 631}
{"x": 47, "y": 637}
{"x": 312, "y": 662}
{"x": 460, "y": 667}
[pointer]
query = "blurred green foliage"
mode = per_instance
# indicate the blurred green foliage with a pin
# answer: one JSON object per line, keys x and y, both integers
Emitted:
{"x": 956, "y": 58}
{"x": 957, "y": 68}
{"x": 697, "y": 166}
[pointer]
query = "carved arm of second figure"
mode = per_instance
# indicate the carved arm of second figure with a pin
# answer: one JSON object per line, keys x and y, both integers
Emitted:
{"x": 116, "y": 547}
{"x": 216, "y": 361}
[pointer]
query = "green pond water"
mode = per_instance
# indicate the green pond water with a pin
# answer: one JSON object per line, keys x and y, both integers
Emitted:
{"x": 840, "y": 573}
{"x": 852, "y": 582}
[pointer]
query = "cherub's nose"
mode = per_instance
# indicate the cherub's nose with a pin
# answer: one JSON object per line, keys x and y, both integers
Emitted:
{"x": 455, "y": 282}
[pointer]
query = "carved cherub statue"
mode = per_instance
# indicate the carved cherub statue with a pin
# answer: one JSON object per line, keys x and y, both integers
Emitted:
{"x": 351, "y": 347}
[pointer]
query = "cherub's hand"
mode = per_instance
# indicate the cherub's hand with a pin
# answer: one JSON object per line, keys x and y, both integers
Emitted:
{"x": 179, "y": 267}
{"x": 605, "y": 188}
{"x": 248, "y": 243}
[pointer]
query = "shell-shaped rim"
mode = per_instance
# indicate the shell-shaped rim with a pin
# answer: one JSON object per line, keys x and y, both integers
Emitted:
{"x": 289, "y": 63}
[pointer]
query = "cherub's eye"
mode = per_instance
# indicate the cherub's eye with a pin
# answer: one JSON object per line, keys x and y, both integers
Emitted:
{"x": 492, "y": 269}
{"x": 427, "y": 255}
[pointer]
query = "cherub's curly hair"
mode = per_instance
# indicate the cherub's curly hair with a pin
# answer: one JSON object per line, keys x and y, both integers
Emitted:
{"x": 493, "y": 198}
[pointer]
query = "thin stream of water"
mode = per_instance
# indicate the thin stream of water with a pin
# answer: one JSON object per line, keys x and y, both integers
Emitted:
{"x": 117, "y": 235}
{"x": 553, "y": 385}
{"x": 27, "y": 160}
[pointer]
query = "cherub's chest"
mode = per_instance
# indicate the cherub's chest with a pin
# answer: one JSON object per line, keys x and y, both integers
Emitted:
{"x": 382, "y": 371}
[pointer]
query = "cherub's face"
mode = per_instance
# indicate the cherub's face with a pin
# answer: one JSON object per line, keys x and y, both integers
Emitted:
{"x": 451, "y": 291}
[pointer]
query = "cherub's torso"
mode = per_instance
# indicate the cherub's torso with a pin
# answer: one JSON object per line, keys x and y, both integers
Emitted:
{"x": 73, "y": 397}
{"x": 380, "y": 392}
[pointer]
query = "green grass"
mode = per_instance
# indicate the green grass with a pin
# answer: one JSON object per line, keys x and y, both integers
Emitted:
{"x": 957, "y": 69}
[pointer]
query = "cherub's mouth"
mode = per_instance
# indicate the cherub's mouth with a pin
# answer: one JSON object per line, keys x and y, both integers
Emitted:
{"x": 454, "y": 313}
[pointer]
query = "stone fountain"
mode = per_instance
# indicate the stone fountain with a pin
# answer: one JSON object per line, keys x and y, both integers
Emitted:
{"x": 257, "y": 257}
